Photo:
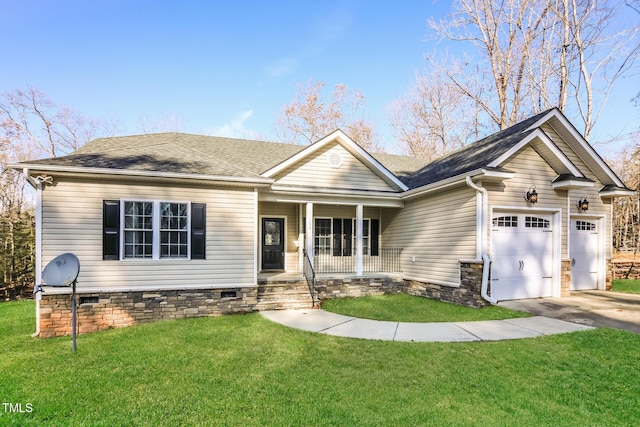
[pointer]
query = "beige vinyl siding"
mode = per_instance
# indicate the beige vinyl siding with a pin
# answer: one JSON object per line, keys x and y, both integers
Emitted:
{"x": 531, "y": 169}
{"x": 438, "y": 230}
{"x": 72, "y": 222}
{"x": 290, "y": 212}
{"x": 597, "y": 206}
{"x": 315, "y": 171}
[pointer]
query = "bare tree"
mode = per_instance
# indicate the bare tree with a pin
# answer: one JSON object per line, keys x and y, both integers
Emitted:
{"x": 35, "y": 120}
{"x": 433, "y": 118}
{"x": 31, "y": 126}
{"x": 165, "y": 123}
{"x": 534, "y": 54}
{"x": 503, "y": 34}
{"x": 311, "y": 116}
{"x": 601, "y": 53}
{"x": 626, "y": 224}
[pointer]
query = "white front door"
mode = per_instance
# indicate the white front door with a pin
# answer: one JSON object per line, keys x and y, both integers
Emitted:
{"x": 584, "y": 254}
{"x": 522, "y": 256}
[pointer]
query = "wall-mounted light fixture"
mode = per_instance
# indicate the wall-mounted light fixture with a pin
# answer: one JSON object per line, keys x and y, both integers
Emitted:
{"x": 531, "y": 196}
{"x": 583, "y": 204}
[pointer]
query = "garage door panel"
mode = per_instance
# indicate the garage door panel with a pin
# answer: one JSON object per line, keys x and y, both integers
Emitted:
{"x": 522, "y": 256}
{"x": 505, "y": 266}
{"x": 584, "y": 253}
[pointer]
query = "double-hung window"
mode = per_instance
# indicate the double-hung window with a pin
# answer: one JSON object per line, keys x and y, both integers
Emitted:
{"x": 174, "y": 230}
{"x": 138, "y": 229}
{"x": 134, "y": 229}
{"x": 337, "y": 236}
{"x": 155, "y": 230}
{"x": 322, "y": 236}
{"x": 365, "y": 236}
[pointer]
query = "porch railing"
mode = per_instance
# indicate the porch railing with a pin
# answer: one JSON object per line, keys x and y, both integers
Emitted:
{"x": 310, "y": 276}
{"x": 387, "y": 261}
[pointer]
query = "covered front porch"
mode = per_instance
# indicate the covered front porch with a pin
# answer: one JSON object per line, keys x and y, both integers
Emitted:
{"x": 344, "y": 238}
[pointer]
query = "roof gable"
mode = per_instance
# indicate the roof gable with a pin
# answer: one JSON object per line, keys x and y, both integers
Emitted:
{"x": 472, "y": 157}
{"x": 547, "y": 150}
{"x": 581, "y": 147}
{"x": 339, "y": 138}
{"x": 332, "y": 166}
{"x": 495, "y": 150}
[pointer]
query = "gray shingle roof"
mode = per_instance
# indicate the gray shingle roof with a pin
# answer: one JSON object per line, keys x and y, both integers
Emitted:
{"x": 241, "y": 158}
{"x": 179, "y": 153}
{"x": 473, "y": 156}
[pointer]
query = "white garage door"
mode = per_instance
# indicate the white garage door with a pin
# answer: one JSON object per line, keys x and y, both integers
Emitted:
{"x": 584, "y": 252}
{"x": 522, "y": 256}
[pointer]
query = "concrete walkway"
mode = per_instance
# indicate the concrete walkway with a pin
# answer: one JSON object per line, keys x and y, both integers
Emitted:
{"x": 317, "y": 320}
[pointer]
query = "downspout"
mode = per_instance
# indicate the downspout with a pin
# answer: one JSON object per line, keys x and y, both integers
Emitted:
{"x": 486, "y": 261}
{"x": 37, "y": 184}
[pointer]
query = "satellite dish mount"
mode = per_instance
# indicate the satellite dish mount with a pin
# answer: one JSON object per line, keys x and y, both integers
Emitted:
{"x": 63, "y": 271}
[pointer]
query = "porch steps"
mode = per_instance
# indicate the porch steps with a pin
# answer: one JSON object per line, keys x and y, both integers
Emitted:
{"x": 283, "y": 295}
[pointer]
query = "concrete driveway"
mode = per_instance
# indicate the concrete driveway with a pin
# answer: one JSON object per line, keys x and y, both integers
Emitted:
{"x": 593, "y": 308}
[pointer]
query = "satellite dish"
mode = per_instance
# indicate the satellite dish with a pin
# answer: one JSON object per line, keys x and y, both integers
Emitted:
{"x": 63, "y": 270}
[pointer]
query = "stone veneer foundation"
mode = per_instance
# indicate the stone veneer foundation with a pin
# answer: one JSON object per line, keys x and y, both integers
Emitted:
{"x": 353, "y": 287}
{"x": 105, "y": 310}
{"x": 468, "y": 293}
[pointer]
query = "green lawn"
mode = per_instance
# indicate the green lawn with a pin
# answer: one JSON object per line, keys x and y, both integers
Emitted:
{"x": 408, "y": 308}
{"x": 244, "y": 370}
{"x": 629, "y": 286}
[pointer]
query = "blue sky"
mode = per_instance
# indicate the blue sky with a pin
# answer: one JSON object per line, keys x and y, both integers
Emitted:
{"x": 225, "y": 67}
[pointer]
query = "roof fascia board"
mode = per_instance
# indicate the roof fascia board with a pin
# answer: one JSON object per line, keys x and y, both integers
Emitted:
{"x": 498, "y": 174}
{"x": 333, "y": 199}
{"x": 334, "y": 191}
{"x": 538, "y": 133}
{"x": 571, "y": 183}
{"x": 616, "y": 193}
{"x": 440, "y": 185}
{"x": 351, "y": 146}
{"x": 553, "y": 113}
{"x": 101, "y": 172}
{"x": 583, "y": 142}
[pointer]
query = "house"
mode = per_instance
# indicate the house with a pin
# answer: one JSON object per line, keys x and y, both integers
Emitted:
{"x": 175, "y": 225}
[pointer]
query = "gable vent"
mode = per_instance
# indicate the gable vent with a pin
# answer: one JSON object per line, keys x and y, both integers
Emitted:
{"x": 335, "y": 159}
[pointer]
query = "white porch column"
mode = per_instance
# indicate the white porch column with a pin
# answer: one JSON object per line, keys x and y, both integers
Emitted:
{"x": 310, "y": 230}
{"x": 301, "y": 242}
{"x": 359, "y": 240}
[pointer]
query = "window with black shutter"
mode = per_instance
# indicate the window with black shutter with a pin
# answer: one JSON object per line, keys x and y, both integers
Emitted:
{"x": 111, "y": 229}
{"x": 153, "y": 230}
{"x": 198, "y": 228}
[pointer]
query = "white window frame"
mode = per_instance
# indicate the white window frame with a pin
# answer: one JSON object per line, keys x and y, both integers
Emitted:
{"x": 316, "y": 248}
{"x": 155, "y": 229}
{"x": 366, "y": 236}
{"x": 366, "y": 239}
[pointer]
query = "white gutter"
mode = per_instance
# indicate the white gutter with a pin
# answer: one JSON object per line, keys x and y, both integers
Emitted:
{"x": 37, "y": 184}
{"x": 482, "y": 219}
{"x": 142, "y": 174}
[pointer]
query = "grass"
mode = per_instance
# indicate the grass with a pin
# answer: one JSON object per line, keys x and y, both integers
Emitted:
{"x": 245, "y": 370}
{"x": 629, "y": 286}
{"x": 408, "y": 308}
